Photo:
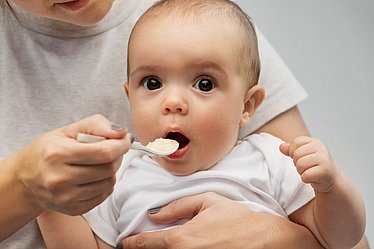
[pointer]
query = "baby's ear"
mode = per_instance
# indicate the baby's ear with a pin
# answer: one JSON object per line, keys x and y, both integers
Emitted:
{"x": 253, "y": 99}
{"x": 126, "y": 89}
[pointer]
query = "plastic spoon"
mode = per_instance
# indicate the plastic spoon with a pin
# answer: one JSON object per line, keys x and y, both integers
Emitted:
{"x": 159, "y": 147}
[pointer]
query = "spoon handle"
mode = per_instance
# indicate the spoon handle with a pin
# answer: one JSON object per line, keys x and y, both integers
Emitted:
{"x": 88, "y": 138}
{"x": 138, "y": 146}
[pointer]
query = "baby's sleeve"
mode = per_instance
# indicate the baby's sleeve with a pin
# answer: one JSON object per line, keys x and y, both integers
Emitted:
{"x": 289, "y": 190}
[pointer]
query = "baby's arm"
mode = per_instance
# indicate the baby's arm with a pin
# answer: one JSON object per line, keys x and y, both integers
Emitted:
{"x": 337, "y": 214}
{"x": 61, "y": 231}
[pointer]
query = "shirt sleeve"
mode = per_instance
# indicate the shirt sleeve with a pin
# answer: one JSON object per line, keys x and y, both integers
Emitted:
{"x": 102, "y": 221}
{"x": 287, "y": 187}
{"x": 282, "y": 89}
{"x": 290, "y": 191}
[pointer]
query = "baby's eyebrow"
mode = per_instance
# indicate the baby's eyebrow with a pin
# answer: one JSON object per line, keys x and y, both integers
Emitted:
{"x": 196, "y": 64}
{"x": 145, "y": 68}
{"x": 207, "y": 65}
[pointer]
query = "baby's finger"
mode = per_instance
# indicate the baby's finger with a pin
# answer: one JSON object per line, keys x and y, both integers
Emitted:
{"x": 315, "y": 175}
{"x": 319, "y": 179}
{"x": 296, "y": 143}
{"x": 284, "y": 148}
{"x": 303, "y": 151}
{"x": 306, "y": 162}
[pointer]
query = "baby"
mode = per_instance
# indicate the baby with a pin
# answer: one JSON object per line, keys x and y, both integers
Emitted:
{"x": 193, "y": 68}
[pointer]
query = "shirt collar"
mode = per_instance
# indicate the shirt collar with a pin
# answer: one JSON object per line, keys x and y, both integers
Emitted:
{"x": 120, "y": 11}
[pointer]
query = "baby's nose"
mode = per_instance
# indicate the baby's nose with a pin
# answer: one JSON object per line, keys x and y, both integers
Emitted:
{"x": 174, "y": 104}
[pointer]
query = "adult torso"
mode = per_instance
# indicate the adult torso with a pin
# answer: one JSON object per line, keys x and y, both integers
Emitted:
{"x": 52, "y": 74}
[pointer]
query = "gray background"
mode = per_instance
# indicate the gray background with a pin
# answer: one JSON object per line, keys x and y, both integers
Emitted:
{"x": 329, "y": 46}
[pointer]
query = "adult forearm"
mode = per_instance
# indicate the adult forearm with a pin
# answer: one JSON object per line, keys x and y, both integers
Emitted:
{"x": 18, "y": 207}
{"x": 61, "y": 231}
{"x": 287, "y": 234}
{"x": 286, "y": 126}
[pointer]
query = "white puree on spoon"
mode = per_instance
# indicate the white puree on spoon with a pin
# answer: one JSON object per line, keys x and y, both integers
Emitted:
{"x": 163, "y": 146}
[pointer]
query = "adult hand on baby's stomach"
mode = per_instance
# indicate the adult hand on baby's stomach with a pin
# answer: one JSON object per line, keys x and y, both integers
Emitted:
{"x": 219, "y": 223}
{"x": 65, "y": 175}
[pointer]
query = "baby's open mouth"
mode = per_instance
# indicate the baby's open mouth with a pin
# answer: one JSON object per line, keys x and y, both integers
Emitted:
{"x": 179, "y": 137}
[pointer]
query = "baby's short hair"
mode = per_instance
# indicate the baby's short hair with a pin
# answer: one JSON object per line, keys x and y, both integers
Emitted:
{"x": 248, "y": 62}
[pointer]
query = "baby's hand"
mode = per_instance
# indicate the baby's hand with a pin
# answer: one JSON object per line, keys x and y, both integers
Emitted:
{"x": 313, "y": 162}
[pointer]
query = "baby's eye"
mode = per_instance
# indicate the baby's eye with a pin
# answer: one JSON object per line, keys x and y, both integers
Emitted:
{"x": 151, "y": 83}
{"x": 204, "y": 85}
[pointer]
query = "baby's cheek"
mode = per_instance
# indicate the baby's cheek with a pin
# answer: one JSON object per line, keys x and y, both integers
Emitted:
{"x": 144, "y": 125}
{"x": 217, "y": 137}
{"x": 208, "y": 126}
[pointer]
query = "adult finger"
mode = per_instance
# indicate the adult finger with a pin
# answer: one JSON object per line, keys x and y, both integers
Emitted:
{"x": 152, "y": 240}
{"x": 100, "y": 152}
{"x": 95, "y": 125}
{"x": 186, "y": 207}
{"x": 81, "y": 207}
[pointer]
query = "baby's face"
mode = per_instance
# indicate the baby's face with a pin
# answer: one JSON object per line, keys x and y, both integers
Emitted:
{"x": 78, "y": 12}
{"x": 184, "y": 85}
